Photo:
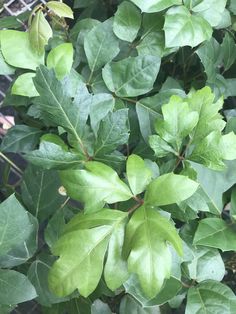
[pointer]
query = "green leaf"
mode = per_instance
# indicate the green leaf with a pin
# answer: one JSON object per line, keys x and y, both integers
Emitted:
{"x": 101, "y": 105}
{"x": 60, "y": 59}
{"x": 35, "y": 192}
{"x": 169, "y": 188}
{"x": 148, "y": 253}
{"x": 55, "y": 227}
{"x": 160, "y": 147}
{"x": 138, "y": 174}
{"x": 132, "y": 76}
{"x": 98, "y": 307}
{"x": 15, "y": 288}
{"x": 127, "y": 21}
{"x": 210, "y": 297}
{"x": 185, "y": 29}
{"x": 129, "y": 305}
{"x": 206, "y": 264}
{"x": 178, "y": 121}
{"x": 228, "y": 48}
{"x": 16, "y": 225}
{"x": 39, "y": 33}
{"x": 101, "y": 45}
{"x": 210, "y": 10}
{"x": 60, "y": 9}
{"x": 57, "y": 107}
{"x": 24, "y": 86}
{"x": 5, "y": 69}
{"x": 38, "y": 275}
{"x": 113, "y": 131}
{"x": 20, "y": 139}
{"x": 85, "y": 267}
{"x": 17, "y": 52}
{"x": 53, "y": 156}
{"x": 95, "y": 185}
{"x": 155, "y": 5}
{"x": 214, "y": 232}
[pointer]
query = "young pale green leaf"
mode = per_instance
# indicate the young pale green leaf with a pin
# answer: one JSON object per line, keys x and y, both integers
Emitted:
{"x": 138, "y": 174}
{"x": 113, "y": 131}
{"x": 24, "y": 86}
{"x": 39, "y": 33}
{"x": 211, "y": 10}
{"x": 20, "y": 139}
{"x": 185, "y": 29}
{"x": 60, "y": 9}
{"x": 155, "y": 5}
{"x": 216, "y": 233}
{"x": 160, "y": 147}
{"x": 60, "y": 59}
{"x": 178, "y": 121}
{"x": 148, "y": 254}
{"x": 5, "y": 69}
{"x": 58, "y": 108}
{"x": 131, "y": 77}
{"x": 16, "y": 50}
{"x": 210, "y": 297}
{"x": 127, "y": 21}
{"x": 95, "y": 186}
{"x": 53, "y": 156}
{"x": 16, "y": 225}
{"x": 169, "y": 188}
{"x": 101, "y": 45}
{"x": 83, "y": 270}
{"x": 15, "y": 288}
{"x": 35, "y": 192}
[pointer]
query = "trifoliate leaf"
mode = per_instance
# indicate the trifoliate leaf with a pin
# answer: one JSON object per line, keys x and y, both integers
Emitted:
{"x": 148, "y": 253}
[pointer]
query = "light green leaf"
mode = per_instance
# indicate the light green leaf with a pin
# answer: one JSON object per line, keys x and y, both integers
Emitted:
{"x": 85, "y": 267}
{"x": 169, "y": 188}
{"x": 16, "y": 225}
{"x": 148, "y": 253}
{"x": 99, "y": 307}
{"x": 185, "y": 29}
{"x": 138, "y": 174}
{"x": 35, "y": 192}
{"x": 101, "y": 45}
{"x": 60, "y": 9}
{"x": 228, "y": 146}
{"x": 39, "y": 33}
{"x": 216, "y": 233}
{"x": 17, "y": 52}
{"x": 20, "y": 139}
{"x": 5, "y": 69}
{"x": 24, "y": 86}
{"x": 178, "y": 121}
{"x": 60, "y": 59}
{"x": 132, "y": 76}
{"x": 210, "y": 10}
{"x": 155, "y": 5}
{"x": 160, "y": 147}
{"x": 95, "y": 185}
{"x": 127, "y": 21}
{"x": 210, "y": 297}
{"x": 15, "y": 288}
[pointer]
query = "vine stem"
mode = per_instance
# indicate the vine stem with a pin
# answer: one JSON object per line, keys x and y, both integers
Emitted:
{"x": 11, "y": 163}
{"x": 139, "y": 203}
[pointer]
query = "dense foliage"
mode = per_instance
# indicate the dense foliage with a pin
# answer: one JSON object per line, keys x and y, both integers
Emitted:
{"x": 126, "y": 118}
